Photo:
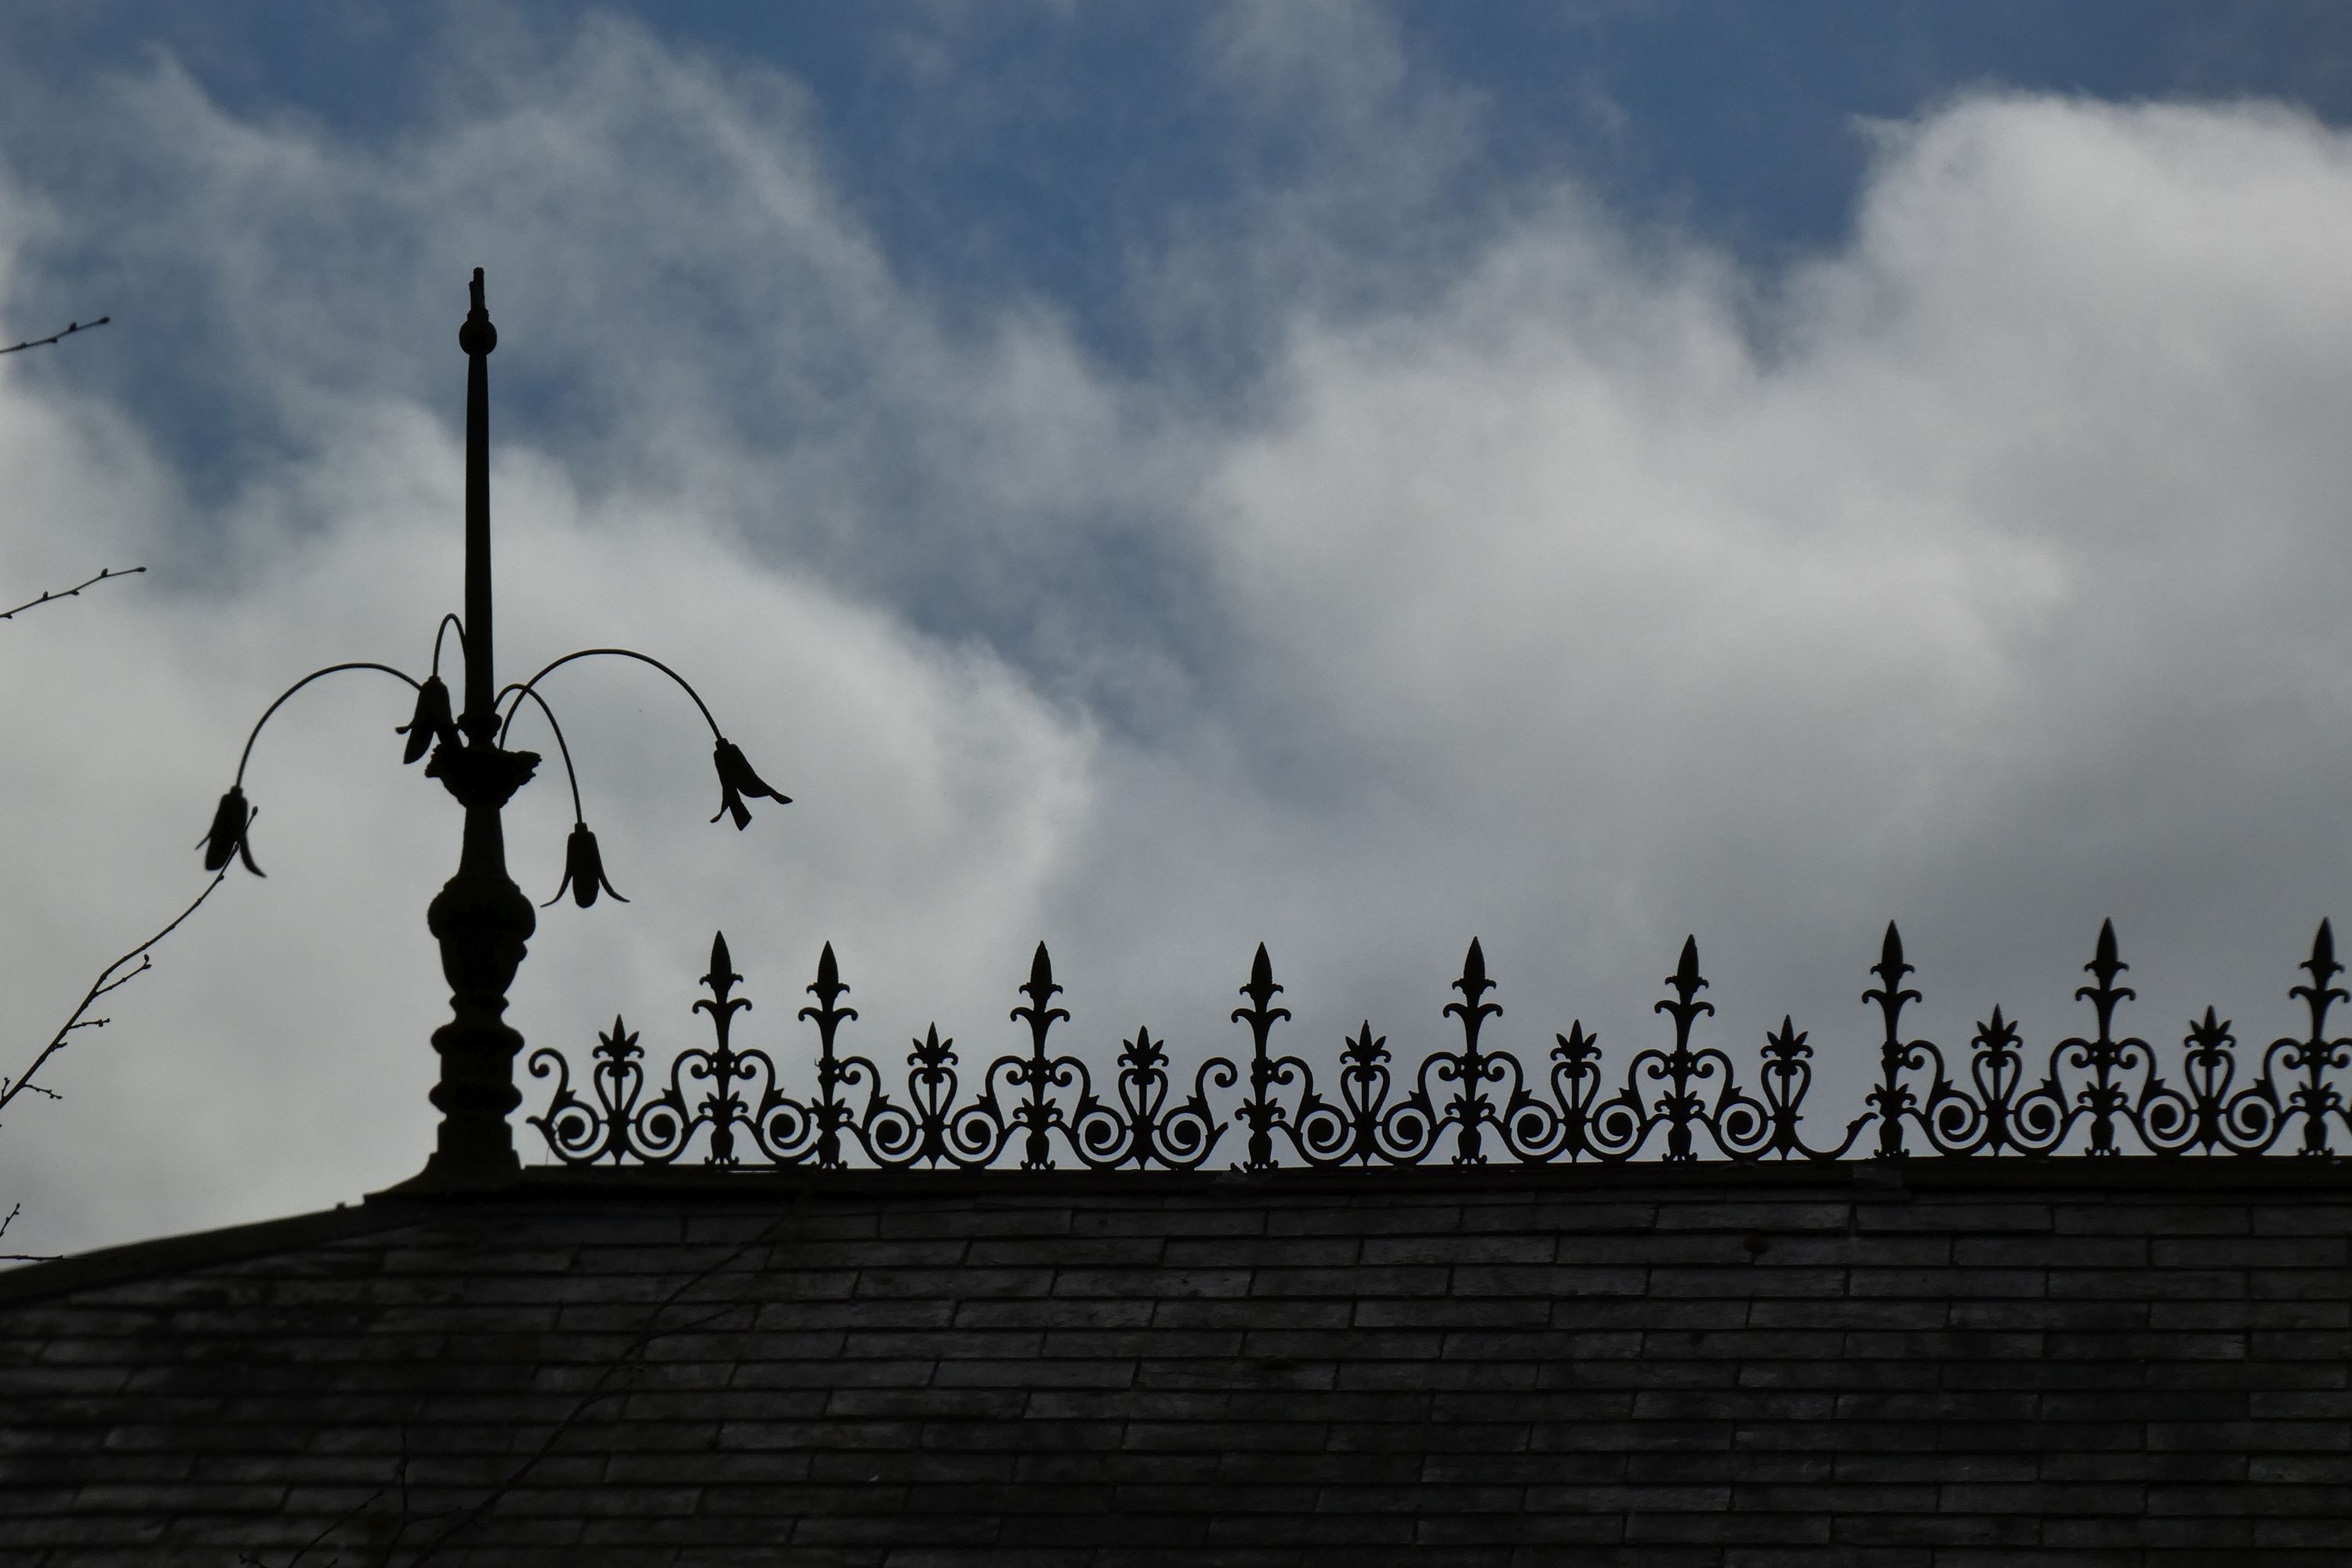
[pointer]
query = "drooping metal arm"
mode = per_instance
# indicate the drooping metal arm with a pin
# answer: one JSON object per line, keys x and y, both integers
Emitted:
{"x": 583, "y": 860}
{"x": 570, "y": 777}
{"x": 246, "y": 756}
{"x": 225, "y": 840}
{"x": 737, "y": 778}
{"x": 530, "y": 687}
{"x": 442, "y": 631}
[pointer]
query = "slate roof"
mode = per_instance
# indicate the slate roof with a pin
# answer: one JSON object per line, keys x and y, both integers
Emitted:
{"x": 2114, "y": 1362}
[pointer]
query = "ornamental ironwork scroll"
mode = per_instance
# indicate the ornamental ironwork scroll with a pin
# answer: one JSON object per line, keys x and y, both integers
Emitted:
{"x": 2094, "y": 1095}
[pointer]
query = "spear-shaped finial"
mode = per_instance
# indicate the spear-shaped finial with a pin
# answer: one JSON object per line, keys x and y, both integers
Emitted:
{"x": 478, "y": 337}
{"x": 480, "y": 918}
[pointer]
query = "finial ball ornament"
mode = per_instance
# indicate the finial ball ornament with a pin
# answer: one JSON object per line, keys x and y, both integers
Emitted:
{"x": 476, "y": 336}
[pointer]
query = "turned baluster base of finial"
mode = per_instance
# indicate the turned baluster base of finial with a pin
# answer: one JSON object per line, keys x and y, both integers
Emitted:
{"x": 483, "y": 923}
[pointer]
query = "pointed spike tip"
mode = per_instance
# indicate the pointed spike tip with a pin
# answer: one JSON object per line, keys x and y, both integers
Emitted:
{"x": 1890, "y": 951}
{"x": 1474, "y": 964}
{"x": 2323, "y": 945}
{"x": 475, "y": 334}
{"x": 721, "y": 963}
{"x": 1040, "y": 969}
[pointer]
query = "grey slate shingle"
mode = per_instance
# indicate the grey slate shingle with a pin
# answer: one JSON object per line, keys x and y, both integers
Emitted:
{"x": 2124, "y": 1363}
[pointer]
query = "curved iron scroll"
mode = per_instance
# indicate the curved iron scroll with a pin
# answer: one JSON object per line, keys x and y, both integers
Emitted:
{"x": 2097, "y": 1094}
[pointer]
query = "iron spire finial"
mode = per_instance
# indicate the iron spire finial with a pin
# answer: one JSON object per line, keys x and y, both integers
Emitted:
{"x": 480, "y": 918}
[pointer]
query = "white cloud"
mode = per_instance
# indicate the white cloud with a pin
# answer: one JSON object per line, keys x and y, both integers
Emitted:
{"x": 1984, "y": 574}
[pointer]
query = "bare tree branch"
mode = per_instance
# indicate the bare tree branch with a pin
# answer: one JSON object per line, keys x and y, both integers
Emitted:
{"x": 21, "y": 1256}
{"x": 247, "y": 1560}
{"x": 105, "y": 575}
{"x": 622, "y": 1365}
{"x": 72, "y": 328}
{"x": 112, "y": 978}
{"x": 114, "y": 975}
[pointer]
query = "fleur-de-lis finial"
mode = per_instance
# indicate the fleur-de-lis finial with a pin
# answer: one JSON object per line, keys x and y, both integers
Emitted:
{"x": 1040, "y": 1015}
{"x": 2103, "y": 967}
{"x": 722, "y": 977}
{"x": 2323, "y": 968}
{"x": 828, "y": 988}
{"x": 1261, "y": 990}
{"x": 1473, "y": 985}
{"x": 1687, "y": 983}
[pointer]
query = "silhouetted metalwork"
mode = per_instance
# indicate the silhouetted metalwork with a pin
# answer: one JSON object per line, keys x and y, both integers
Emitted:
{"x": 480, "y": 919}
{"x": 2096, "y": 1096}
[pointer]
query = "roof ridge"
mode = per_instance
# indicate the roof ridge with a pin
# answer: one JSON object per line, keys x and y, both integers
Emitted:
{"x": 196, "y": 1249}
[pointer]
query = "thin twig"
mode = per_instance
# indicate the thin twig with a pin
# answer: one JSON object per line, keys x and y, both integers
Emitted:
{"x": 72, "y": 328}
{"x": 105, "y": 575}
{"x": 628, "y": 1360}
{"x": 349, "y": 1514}
{"x": 21, "y": 1256}
{"x": 400, "y": 1473}
{"x": 113, "y": 977}
{"x": 400, "y": 1478}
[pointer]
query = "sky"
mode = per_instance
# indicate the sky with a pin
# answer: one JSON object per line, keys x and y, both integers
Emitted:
{"x": 1155, "y": 479}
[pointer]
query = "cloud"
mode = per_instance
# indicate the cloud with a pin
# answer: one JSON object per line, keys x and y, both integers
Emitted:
{"x": 1978, "y": 575}
{"x": 1572, "y": 588}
